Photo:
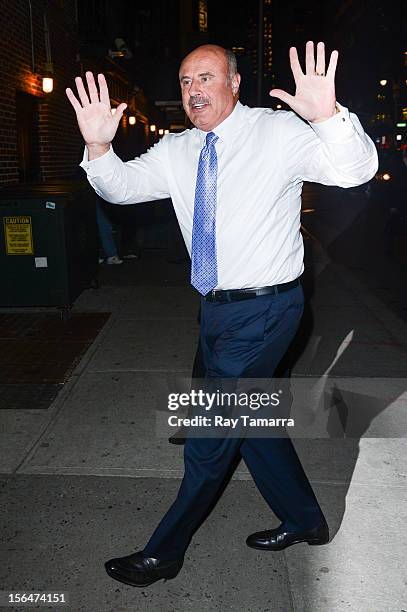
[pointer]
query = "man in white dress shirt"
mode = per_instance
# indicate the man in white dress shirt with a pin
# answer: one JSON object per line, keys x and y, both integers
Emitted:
{"x": 235, "y": 181}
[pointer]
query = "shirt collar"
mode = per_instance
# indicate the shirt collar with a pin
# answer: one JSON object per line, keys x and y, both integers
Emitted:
{"x": 229, "y": 126}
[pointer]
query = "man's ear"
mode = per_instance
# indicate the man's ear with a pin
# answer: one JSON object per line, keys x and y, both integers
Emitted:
{"x": 235, "y": 83}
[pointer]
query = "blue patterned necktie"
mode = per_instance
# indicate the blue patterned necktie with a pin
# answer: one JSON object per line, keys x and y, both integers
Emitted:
{"x": 204, "y": 272}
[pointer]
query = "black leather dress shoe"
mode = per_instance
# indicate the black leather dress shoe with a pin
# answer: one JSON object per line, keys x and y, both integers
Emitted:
{"x": 141, "y": 571}
{"x": 278, "y": 539}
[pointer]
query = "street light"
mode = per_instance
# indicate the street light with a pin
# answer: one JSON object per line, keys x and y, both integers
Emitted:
{"x": 132, "y": 120}
{"x": 47, "y": 84}
{"x": 152, "y": 128}
{"x": 383, "y": 82}
{"x": 161, "y": 132}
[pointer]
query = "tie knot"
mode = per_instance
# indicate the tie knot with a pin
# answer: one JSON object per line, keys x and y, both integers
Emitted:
{"x": 211, "y": 138}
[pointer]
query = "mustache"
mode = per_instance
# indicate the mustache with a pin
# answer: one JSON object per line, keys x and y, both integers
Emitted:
{"x": 198, "y": 100}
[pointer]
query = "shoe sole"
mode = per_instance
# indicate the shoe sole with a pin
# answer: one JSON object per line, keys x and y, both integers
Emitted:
{"x": 310, "y": 542}
{"x": 318, "y": 543}
{"x": 144, "y": 584}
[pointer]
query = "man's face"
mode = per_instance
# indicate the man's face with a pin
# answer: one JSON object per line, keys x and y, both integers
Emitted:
{"x": 208, "y": 96}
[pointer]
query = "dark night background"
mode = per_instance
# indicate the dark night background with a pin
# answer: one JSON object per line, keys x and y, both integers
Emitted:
{"x": 39, "y": 139}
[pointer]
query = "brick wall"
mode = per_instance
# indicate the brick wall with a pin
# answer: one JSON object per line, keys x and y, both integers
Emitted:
{"x": 60, "y": 144}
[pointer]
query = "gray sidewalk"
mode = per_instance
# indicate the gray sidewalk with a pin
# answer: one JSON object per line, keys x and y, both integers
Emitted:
{"x": 89, "y": 479}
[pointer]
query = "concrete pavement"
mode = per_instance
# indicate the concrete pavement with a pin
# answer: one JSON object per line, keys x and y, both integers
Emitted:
{"x": 89, "y": 479}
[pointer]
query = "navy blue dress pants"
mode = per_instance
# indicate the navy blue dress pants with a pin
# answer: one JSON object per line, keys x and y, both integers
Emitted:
{"x": 243, "y": 339}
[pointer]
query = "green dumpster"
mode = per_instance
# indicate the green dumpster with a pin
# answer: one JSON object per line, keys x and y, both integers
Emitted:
{"x": 48, "y": 244}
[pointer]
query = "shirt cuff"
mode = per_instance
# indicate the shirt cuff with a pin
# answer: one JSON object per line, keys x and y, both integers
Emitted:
{"x": 337, "y": 129}
{"x": 100, "y": 166}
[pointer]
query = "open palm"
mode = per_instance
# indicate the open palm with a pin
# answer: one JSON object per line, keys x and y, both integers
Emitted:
{"x": 97, "y": 124}
{"x": 314, "y": 98}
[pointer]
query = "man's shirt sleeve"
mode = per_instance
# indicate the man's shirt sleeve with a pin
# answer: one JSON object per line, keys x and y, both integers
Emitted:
{"x": 334, "y": 152}
{"x": 142, "y": 179}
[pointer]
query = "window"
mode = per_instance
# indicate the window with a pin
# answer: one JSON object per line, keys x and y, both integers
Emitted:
{"x": 203, "y": 16}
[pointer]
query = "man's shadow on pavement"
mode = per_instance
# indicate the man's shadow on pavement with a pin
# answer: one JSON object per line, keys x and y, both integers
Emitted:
{"x": 344, "y": 396}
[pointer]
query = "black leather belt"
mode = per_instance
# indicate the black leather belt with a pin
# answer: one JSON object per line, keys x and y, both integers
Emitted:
{"x": 234, "y": 295}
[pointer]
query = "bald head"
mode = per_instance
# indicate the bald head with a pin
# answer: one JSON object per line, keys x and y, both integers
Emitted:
{"x": 227, "y": 55}
{"x": 209, "y": 85}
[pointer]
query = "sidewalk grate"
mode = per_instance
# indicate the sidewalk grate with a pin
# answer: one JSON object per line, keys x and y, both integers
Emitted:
{"x": 38, "y": 353}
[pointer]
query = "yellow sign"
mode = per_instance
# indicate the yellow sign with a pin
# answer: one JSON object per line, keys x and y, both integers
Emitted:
{"x": 18, "y": 235}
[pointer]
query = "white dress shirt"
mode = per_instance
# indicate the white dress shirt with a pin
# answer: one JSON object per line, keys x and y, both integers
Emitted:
{"x": 263, "y": 158}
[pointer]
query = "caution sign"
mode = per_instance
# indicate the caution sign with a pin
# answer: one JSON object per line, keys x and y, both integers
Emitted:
{"x": 18, "y": 235}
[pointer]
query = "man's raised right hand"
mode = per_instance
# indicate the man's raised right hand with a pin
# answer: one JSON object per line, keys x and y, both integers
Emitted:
{"x": 97, "y": 124}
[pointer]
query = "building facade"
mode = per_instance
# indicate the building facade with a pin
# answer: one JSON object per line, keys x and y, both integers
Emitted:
{"x": 39, "y": 138}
